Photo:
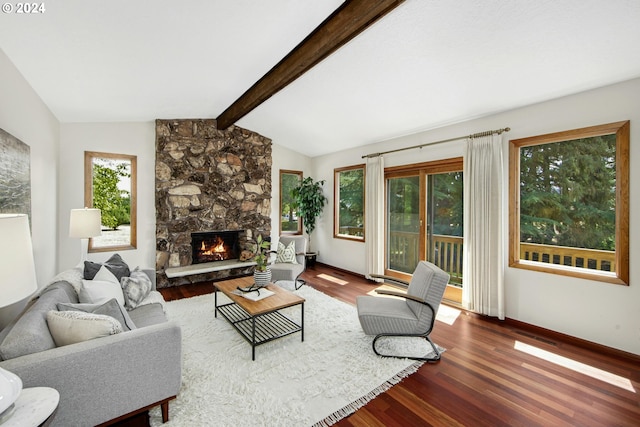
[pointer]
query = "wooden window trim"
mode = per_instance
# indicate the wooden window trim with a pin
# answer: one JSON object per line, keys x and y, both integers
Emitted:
{"x": 336, "y": 205}
{"x": 88, "y": 197}
{"x": 420, "y": 170}
{"x": 622, "y": 132}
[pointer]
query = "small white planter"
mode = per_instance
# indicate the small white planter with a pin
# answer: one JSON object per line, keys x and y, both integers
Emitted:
{"x": 262, "y": 278}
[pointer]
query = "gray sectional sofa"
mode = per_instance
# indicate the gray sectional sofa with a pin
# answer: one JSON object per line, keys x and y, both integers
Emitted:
{"x": 103, "y": 379}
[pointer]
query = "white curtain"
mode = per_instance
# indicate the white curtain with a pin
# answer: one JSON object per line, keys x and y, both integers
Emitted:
{"x": 483, "y": 263}
{"x": 374, "y": 216}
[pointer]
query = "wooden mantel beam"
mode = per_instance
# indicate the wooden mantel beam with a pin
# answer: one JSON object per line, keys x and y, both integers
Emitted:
{"x": 349, "y": 20}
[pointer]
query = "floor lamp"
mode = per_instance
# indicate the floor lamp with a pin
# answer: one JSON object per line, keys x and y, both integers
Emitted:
{"x": 17, "y": 282}
{"x": 83, "y": 224}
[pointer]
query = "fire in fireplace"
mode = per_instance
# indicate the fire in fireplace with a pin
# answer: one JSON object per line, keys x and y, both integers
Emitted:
{"x": 213, "y": 246}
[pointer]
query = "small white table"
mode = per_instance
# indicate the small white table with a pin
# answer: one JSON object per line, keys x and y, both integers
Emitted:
{"x": 34, "y": 407}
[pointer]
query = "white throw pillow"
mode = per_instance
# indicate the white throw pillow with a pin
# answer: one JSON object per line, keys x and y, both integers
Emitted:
{"x": 70, "y": 327}
{"x": 106, "y": 275}
{"x": 101, "y": 289}
{"x": 286, "y": 253}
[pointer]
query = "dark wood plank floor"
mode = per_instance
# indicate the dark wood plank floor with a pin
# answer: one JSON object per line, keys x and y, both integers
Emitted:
{"x": 492, "y": 373}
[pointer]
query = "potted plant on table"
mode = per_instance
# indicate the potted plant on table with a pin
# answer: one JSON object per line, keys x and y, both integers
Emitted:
{"x": 262, "y": 273}
{"x": 309, "y": 202}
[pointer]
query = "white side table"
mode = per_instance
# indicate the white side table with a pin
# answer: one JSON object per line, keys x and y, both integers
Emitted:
{"x": 34, "y": 407}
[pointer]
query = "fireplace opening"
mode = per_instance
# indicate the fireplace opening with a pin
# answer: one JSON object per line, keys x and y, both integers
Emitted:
{"x": 213, "y": 246}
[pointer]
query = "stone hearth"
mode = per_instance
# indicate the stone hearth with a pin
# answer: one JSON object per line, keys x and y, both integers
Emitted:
{"x": 208, "y": 180}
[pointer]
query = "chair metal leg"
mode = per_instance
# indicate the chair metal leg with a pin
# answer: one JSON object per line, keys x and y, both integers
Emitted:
{"x": 300, "y": 281}
{"x": 436, "y": 358}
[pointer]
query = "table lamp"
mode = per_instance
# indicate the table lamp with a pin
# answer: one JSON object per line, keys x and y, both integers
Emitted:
{"x": 17, "y": 282}
{"x": 83, "y": 224}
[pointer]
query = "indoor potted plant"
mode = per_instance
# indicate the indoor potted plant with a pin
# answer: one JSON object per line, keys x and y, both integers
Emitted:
{"x": 262, "y": 272}
{"x": 309, "y": 202}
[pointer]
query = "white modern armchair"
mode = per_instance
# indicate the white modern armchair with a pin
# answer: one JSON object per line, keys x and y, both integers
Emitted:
{"x": 290, "y": 260}
{"x": 412, "y": 316}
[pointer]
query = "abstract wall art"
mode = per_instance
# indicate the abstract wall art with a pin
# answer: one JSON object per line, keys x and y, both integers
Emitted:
{"x": 15, "y": 175}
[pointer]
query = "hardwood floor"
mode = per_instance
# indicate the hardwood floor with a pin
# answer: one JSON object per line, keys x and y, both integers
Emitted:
{"x": 492, "y": 373}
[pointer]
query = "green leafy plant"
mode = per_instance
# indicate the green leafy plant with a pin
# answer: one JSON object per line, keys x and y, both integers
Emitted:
{"x": 114, "y": 203}
{"x": 309, "y": 202}
{"x": 261, "y": 256}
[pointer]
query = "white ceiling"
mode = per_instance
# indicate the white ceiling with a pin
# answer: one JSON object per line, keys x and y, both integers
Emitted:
{"x": 425, "y": 65}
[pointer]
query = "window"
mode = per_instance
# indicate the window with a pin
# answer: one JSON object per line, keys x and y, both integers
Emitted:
{"x": 569, "y": 203}
{"x": 110, "y": 185}
{"x": 289, "y": 220}
{"x": 349, "y": 193}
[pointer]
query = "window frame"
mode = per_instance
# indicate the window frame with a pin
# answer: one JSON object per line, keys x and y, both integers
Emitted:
{"x": 88, "y": 197}
{"x": 622, "y": 132}
{"x": 301, "y": 176}
{"x": 336, "y": 202}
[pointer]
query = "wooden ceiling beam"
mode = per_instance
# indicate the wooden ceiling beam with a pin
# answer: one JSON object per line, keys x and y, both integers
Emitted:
{"x": 349, "y": 20}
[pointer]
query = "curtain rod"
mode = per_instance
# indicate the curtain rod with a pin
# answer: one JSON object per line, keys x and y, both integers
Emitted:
{"x": 475, "y": 135}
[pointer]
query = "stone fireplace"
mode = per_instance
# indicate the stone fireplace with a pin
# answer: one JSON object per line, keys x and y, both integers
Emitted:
{"x": 208, "y": 180}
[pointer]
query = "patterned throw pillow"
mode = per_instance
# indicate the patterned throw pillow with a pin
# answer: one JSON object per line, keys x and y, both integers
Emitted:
{"x": 286, "y": 253}
{"x": 135, "y": 288}
{"x": 70, "y": 327}
{"x": 115, "y": 264}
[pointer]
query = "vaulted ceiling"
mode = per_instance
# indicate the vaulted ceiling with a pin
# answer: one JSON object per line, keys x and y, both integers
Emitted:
{"x": 424, "y": 65}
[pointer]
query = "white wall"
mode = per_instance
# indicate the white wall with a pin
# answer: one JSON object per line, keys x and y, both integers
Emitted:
{"x": 136, "y": 139}
{"x": 25, "y": 116}
{"x": 598, "y": 312}
{"x": 285, "y": 159}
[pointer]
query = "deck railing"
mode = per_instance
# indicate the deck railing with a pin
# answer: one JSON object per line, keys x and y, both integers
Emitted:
{"x": 574, "y": 257}
{"x": 348, "y": 230}
{"x": 446, "y": 250}
{"x": 447, "y": 254}
{"x": 403, "y": 251}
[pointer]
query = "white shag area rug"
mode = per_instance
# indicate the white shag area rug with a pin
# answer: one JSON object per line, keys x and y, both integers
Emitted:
{"x": 318, "y": 381}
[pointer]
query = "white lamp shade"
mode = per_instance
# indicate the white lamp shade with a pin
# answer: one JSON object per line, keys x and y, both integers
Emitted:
{"x": 18, "y": 277}
{"x": 85, "y": 223}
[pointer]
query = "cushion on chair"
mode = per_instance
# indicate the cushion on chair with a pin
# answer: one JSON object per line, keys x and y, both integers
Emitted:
{"x": 300, "y": 243}
{"x": 427, "y": 283}
{"x": 398, "y": 316}
{"x": 286, "y": 254}
{"x": 386, "y": 315}
{"x": 289, "y": 270}
{"x": 285, "y": 271}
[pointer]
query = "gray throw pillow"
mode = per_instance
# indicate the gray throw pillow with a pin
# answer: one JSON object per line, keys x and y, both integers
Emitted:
{"x": 30, "y": 333}
{"x": 110, "y": 308}
{"x": 135, "y": 288}
{"x": 115, "y": 264}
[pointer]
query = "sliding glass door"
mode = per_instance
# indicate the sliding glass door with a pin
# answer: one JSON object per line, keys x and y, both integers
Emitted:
{"x": 424, "y": 207}
{"x": 404, "y": 223}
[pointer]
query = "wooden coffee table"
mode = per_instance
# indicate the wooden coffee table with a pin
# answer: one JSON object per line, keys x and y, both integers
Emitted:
{"x": 259, "y": 321}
